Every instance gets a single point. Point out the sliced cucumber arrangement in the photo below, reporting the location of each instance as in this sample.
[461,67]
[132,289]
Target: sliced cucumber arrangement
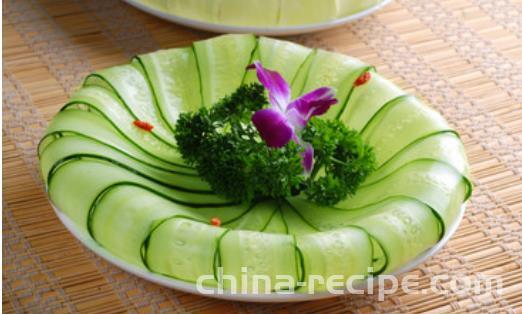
[130,190]
[261,13]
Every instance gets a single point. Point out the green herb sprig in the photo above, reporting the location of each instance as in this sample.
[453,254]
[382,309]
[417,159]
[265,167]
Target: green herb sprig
[226,150]
[343,161]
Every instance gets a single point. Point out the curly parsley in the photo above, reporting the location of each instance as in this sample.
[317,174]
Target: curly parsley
[343,161]
[225,148]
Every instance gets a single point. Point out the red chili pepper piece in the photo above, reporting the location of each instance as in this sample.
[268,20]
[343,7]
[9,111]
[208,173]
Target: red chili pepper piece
[365,77]
[215,222]
[143,125]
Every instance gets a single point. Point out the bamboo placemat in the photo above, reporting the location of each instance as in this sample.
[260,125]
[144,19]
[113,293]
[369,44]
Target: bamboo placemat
[462,56]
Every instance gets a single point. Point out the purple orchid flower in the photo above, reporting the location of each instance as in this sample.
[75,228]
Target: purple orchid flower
[286,118]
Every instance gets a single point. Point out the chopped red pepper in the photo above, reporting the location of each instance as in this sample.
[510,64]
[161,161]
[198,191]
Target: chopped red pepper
[215,222]
[143,125]
[365,77]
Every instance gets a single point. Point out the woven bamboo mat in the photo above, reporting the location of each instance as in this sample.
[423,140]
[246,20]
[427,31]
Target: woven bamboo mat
[462,56]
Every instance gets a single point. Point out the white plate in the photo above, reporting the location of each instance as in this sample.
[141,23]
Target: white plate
[191,288]
[276,30]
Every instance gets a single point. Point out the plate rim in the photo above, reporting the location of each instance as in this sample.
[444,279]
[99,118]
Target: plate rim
[188,287]
[271,31]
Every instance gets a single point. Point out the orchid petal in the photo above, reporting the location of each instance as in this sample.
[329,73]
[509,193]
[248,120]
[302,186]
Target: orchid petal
[273,127]
[278,89]
[308,158]
[314,103]
[296,119]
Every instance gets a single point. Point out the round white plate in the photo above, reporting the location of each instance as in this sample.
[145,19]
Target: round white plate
[247,297]
[275,31]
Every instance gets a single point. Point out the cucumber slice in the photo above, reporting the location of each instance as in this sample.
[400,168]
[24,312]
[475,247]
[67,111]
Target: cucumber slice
[333,70]
[295,223]
[344,252]
[235,12]
[444,146]
[182,248]
[131,87]
[174,79]
[399,124]
[271,13]
[299,81]
[67,147]
[432,182]
[99,99]
[156,4]
[121,222]
[257,218]
[367,99]
[222,63]
[296,12]
[284,56]
[95,127]
[349,7]
[276,224]
[402,227]
[74,185]
[124,215]
[203,10]
[245,254]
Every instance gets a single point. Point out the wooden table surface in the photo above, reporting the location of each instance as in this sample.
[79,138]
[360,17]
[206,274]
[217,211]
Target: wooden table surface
[462,56]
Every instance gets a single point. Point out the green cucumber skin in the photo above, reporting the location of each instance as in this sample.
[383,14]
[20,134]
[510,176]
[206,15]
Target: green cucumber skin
[73,185]
[130,190]
[88,122]
[224,77]
[186,237]
[333,70]
[84,147]
[174,81]
[98,100]
[256,251]
[132,90]
[50,138]
[266,13]
[346,251]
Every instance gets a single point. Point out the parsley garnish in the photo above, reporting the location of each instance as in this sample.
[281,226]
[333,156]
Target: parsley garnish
[227,151]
